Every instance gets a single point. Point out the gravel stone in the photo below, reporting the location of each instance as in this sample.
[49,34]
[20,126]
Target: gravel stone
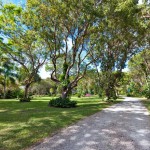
[124,126]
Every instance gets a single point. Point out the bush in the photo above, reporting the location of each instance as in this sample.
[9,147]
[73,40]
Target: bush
[62,103]
[129,95]
[79,95]
[14,93]
[10,94]
[28,99]
[147,94]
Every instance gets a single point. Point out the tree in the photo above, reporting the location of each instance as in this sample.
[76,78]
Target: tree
[23,46]
[8,74]
[120,36]
[67,35]
[41,88]
[139,67]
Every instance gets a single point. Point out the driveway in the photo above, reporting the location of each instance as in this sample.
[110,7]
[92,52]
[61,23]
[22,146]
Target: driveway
[124,126]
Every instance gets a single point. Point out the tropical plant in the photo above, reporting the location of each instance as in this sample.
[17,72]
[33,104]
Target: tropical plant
[8,75]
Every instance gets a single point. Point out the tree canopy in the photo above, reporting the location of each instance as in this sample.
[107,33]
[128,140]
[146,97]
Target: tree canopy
[72,38]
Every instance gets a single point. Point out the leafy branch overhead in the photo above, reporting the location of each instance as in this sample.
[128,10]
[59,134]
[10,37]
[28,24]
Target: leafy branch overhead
[73,37]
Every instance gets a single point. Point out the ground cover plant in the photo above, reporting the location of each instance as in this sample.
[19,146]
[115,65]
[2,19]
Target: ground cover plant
[24,124]
[146,102]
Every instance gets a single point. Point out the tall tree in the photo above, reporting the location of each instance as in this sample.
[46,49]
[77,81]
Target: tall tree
[139,67]
[24,45]
[67,35]
[120,36]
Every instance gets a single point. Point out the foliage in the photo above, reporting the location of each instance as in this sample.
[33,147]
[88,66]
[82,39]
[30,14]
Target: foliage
[23,46]
[27,99]
[8,75]
[62,103]
[74,25]
[88,84]
[86,35]
[139,67]
[146,103]
[14,93]
[79,94]
[146,92]
[41,88]
[120,36]
[51,90]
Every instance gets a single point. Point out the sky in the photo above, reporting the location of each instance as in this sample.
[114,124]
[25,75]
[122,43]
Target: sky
[22,1]
[14,1]
[43,73]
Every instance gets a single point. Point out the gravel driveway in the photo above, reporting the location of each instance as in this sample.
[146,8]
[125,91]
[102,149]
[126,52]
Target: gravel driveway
[124,126]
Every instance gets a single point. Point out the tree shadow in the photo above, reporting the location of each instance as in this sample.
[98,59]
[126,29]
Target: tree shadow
[125,127]
[23,124]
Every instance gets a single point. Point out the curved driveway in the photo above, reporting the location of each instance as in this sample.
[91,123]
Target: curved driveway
[124,126]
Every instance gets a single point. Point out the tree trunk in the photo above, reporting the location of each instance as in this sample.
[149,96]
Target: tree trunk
[108,94]
[65,92]
[4,91]
[111,93]
[26,92]
[4,87]
[64,95]
[117,93]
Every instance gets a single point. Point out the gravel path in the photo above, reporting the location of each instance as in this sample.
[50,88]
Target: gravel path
[124,126]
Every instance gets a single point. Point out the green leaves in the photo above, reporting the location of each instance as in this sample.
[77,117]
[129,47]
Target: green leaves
[78,33]
[139,67]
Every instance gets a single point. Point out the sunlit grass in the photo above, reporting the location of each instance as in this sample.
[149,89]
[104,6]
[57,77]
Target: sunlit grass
[23,124]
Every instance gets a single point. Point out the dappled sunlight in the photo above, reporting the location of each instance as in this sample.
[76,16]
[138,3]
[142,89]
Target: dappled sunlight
[27,123]
[130,103]
[3,110]
[122,126]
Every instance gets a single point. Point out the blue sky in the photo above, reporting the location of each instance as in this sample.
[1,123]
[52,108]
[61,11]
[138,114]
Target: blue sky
[14,1]
[23,1]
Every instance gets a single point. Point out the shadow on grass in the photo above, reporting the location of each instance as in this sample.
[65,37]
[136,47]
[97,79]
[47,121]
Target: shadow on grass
[23,124]
[123,127]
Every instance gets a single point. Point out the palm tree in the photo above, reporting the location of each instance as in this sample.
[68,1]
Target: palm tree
[7,74]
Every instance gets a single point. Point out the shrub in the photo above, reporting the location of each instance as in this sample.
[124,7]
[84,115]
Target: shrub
[62,103]
[52,91]
[79,95]
[147,94]
[9,94]
[129,95]
[28,99]
[114,96]
[19,93]
[14,93]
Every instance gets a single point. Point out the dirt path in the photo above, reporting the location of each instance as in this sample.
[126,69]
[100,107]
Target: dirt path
[124,126]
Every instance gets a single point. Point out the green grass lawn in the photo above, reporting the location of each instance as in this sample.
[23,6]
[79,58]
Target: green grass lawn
[24,124]
[146,102]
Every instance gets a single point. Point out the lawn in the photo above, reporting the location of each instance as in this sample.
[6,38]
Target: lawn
[146,102]
[24,124]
